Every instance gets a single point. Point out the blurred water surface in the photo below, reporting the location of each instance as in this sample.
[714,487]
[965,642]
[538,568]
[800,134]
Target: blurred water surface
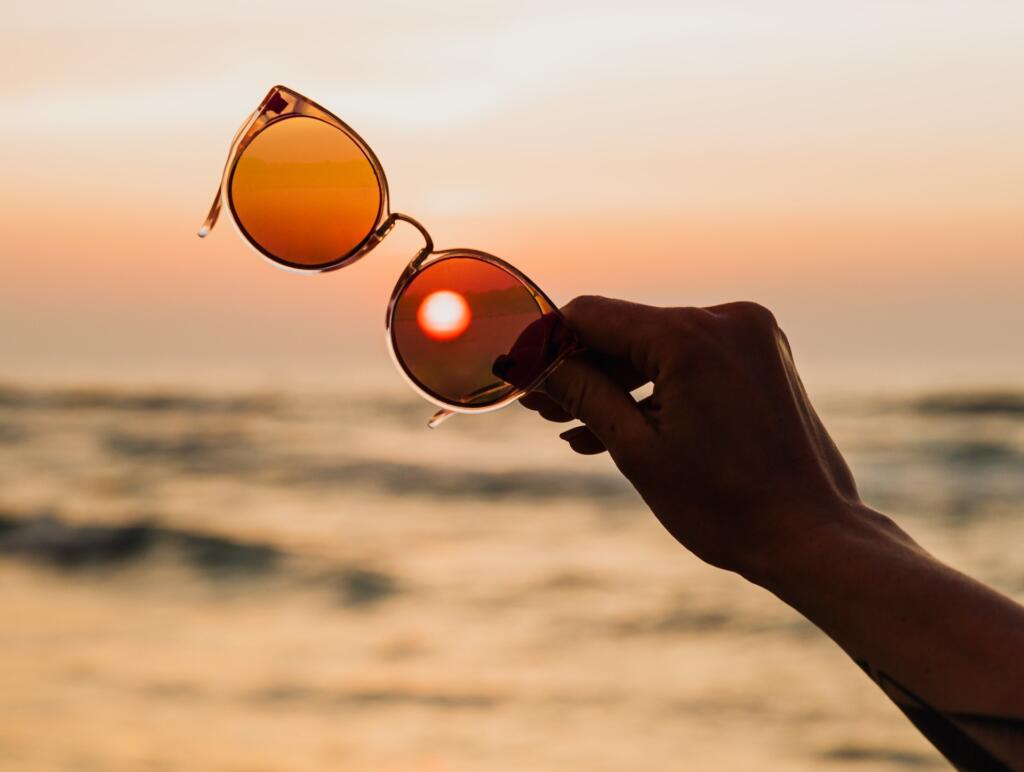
[307,579]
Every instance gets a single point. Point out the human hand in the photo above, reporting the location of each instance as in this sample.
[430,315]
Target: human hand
[731,457]
[727,451]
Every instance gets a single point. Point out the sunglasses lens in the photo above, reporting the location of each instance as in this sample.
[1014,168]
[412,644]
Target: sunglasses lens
[305,193]
[471,333]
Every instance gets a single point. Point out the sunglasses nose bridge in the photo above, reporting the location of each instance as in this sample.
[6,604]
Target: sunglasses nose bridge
[428,243]
[414,265]
[388,225]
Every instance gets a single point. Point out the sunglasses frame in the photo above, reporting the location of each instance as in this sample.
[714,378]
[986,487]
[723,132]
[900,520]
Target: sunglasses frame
[282,103]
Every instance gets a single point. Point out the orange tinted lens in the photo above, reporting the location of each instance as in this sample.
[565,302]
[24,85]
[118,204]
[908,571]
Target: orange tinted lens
[472,333]
[305,192]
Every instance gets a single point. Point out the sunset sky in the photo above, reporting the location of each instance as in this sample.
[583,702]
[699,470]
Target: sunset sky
[857,166]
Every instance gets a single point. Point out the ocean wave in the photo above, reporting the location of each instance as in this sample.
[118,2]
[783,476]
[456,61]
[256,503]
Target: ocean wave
[191,448]
[71,547]
[401,479]
[149,401]
[881,755]
[1008,404]
[11,433]
[359,587]
[230,452]
[48,540]
[975,453]
[370,698]
[683,619]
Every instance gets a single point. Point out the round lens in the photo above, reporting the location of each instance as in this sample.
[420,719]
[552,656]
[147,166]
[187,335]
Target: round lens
[471,333]
[305,192]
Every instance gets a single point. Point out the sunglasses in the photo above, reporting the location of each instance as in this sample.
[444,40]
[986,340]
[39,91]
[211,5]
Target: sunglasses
[470,332]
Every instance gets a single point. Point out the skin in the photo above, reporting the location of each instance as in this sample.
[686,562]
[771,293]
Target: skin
[731,457]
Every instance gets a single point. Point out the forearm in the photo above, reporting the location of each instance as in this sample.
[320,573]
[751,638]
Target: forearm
[948,650]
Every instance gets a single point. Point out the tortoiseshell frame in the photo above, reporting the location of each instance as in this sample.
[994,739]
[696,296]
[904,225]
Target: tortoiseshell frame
[281,103]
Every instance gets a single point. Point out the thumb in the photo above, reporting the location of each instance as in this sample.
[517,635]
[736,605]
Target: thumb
[589,394]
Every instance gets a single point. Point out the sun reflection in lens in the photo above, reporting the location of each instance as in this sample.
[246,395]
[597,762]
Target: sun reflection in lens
[443,315]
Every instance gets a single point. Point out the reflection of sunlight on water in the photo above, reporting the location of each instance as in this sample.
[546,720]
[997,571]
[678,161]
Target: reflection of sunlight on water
[265,579]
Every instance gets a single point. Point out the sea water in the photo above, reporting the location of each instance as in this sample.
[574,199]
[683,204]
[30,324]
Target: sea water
[250,577]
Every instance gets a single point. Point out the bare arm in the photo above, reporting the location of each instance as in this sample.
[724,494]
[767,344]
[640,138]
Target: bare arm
[945,648]
[731,457]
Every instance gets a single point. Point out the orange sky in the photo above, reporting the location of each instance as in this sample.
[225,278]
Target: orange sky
[858,166]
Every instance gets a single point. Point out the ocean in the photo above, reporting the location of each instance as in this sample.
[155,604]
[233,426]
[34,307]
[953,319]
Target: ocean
[243,577]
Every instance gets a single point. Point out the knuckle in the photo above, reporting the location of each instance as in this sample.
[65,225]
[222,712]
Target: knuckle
[756,327]
[684,319]
[685,332]
[581,304]
[754,315]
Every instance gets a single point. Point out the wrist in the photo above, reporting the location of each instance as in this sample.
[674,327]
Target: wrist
[802,558]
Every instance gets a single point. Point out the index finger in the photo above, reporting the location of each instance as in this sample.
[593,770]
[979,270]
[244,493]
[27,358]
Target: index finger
[621,370]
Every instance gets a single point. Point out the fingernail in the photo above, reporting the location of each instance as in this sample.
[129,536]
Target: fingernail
[502,365]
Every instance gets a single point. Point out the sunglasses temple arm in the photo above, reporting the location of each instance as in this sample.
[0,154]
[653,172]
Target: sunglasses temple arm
[211,218]
[439,418]
[442,415]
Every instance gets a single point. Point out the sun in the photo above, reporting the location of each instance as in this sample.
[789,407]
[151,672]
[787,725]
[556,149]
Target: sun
[444,315]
